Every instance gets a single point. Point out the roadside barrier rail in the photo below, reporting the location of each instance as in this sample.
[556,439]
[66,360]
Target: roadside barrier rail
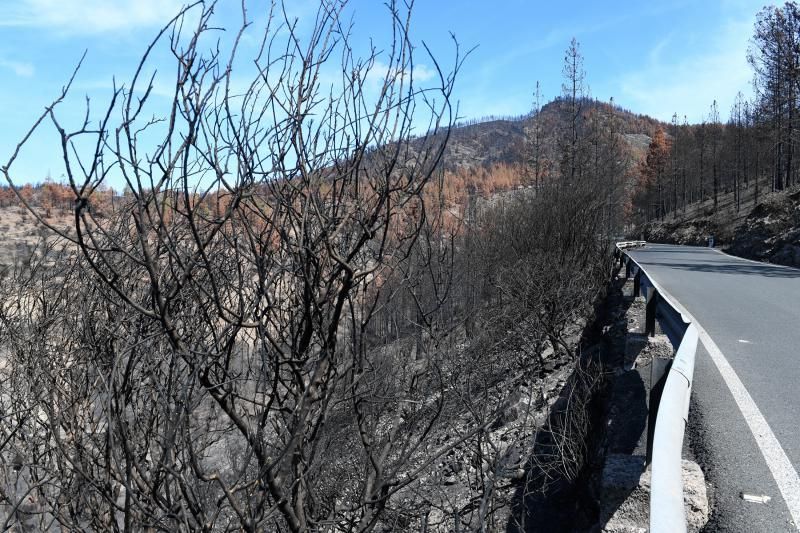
[669,396]
[630,244]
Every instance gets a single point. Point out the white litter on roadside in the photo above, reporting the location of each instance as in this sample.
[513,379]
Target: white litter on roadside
[753,498]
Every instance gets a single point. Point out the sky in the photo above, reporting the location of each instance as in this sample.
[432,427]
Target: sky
[653,57]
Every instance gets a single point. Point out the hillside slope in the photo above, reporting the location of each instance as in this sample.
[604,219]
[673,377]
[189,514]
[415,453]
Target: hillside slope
[502,140]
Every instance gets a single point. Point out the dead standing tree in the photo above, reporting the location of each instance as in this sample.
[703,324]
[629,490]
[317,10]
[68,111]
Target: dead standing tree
[223,307]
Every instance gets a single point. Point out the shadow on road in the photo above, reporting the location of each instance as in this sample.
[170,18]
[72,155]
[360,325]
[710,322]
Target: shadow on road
[733,268]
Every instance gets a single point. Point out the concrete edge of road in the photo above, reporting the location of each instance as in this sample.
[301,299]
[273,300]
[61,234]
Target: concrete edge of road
[781,468]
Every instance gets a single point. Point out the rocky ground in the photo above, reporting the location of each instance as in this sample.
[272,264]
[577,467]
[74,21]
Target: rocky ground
[21,234]
[540,466]
[771,232]
[485,480]
[611,491]
[622,480]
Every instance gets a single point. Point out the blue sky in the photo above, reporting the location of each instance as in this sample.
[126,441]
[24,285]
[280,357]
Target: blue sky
[653,57]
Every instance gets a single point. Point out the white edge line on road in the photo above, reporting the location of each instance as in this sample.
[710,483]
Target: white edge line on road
[778,462]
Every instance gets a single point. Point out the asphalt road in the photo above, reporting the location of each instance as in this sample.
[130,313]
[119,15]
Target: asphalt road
[751,312]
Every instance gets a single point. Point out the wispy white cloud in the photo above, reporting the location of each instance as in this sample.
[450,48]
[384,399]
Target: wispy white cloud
[88,16]
[689,84]
[657,52]
[423,73]
[20,68]
[380,71]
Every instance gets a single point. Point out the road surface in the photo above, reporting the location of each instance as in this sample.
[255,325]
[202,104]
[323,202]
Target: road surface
[745,414]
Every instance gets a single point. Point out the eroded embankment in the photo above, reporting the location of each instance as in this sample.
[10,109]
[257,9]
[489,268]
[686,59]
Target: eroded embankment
[559,491]
[620,481]
[587,470]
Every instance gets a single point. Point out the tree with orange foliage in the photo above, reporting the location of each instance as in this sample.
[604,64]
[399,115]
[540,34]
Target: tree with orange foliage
[27,192]
[7,197]
[652,172]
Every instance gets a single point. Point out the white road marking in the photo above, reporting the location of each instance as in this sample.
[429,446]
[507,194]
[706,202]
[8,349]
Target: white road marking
[777,461]
[743,341]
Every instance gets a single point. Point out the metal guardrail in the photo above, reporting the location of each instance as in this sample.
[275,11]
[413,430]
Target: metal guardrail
[671,413]
[630,244]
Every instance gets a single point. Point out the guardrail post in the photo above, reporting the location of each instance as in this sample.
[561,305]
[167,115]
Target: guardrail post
[627,267]
[650,312]
[659,368]
[637,283]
